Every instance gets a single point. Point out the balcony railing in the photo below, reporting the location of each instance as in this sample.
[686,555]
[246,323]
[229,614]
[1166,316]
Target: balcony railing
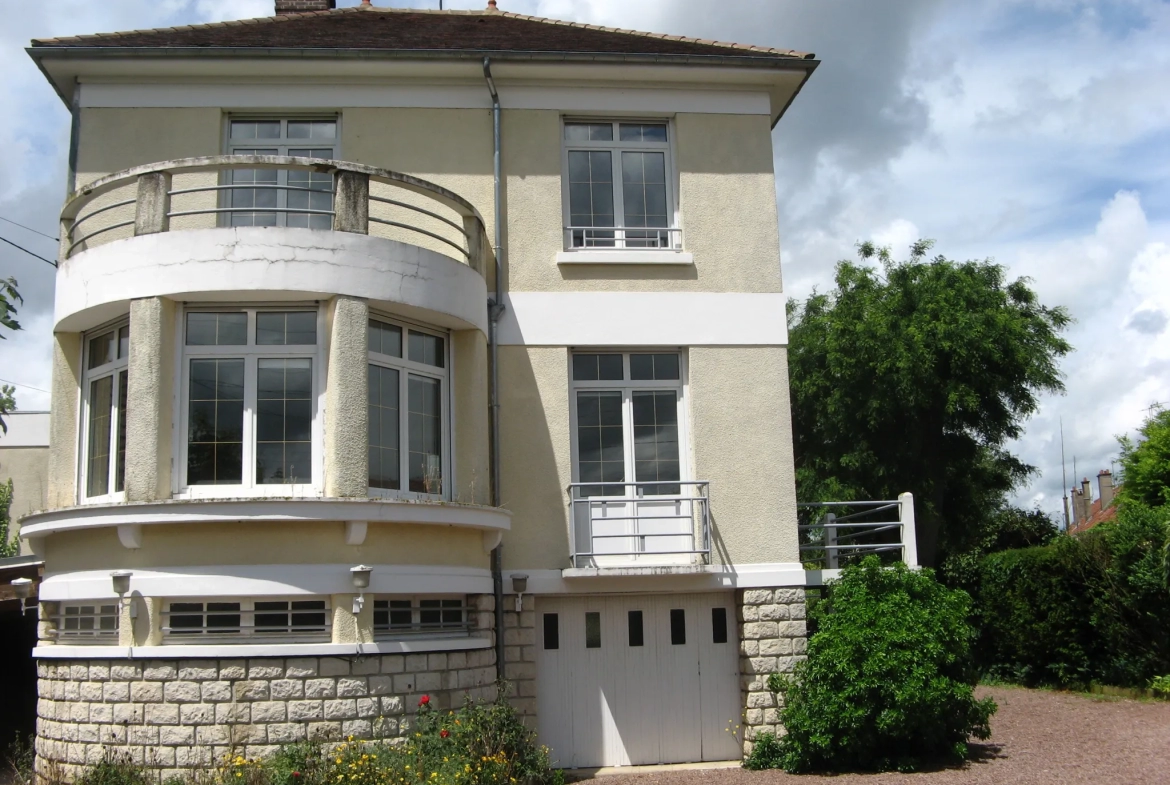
[614,524]
[836,534]
[628,238]
[201,193]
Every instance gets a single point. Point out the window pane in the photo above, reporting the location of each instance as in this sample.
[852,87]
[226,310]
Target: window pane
[120,461]
[678,627]
[319,197]
[597,367]
[662,367]
[635,625]
[223,617]
[215,425]
[591,196]
[284,415]
[101,392]
[241,199]
[644,197]
[600,456]
[719,625]
[124,342]
[101,350]
[384,412]
[255,129]
[217,329]
[312,129]
[427,349]
[589,132]
[552,631]
[592,630]
[425,434]
[270,615]
[385,338]
[295,328]
[642,132]
[186,617]
[656,454]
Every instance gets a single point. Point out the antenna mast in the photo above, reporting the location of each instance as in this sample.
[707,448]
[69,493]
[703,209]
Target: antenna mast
[1063,475]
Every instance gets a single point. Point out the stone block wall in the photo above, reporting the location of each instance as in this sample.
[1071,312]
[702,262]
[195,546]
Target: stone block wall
[772,639]
[176,714]
[520,657]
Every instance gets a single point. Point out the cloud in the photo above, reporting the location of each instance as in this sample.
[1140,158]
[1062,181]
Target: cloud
[1150,321]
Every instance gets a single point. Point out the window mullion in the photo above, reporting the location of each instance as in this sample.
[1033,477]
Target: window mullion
[628,439]
[619,204]
[403,427]
[248,453]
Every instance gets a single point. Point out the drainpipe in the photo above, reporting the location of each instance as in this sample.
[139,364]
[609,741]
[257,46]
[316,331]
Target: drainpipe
[495,308]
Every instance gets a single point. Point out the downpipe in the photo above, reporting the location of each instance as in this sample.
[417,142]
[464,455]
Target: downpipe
[495,308]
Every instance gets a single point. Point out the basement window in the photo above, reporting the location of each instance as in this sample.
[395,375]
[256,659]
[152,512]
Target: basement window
[411,616]
[298,620]
[94,622]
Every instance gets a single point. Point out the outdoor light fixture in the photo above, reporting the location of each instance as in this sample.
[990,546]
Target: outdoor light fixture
[361,582]
[121,581]
[23,588]
[519,585]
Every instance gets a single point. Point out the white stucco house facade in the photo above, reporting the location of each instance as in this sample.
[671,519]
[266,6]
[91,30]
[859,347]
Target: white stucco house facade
[396,351]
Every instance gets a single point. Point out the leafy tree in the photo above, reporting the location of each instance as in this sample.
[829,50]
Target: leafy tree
[889,679]
[8,546]
[1005,529]
[915,377]
[9,297]
[1146,463]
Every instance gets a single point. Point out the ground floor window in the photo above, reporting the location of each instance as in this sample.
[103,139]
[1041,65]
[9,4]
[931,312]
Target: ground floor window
[394,616]
[306,619]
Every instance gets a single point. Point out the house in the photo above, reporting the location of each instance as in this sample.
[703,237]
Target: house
[1087,512]
[399,350]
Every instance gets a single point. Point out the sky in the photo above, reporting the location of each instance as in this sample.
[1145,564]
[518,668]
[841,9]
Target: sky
[1035,133]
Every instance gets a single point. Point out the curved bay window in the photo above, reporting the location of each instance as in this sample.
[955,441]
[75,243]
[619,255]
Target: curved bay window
[408,430]
[250,398]
[106,377]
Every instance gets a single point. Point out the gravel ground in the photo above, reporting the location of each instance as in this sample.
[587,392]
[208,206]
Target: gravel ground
[1037,738]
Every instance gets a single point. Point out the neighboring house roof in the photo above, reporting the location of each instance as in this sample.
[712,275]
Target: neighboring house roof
[405,30]
[1096,516]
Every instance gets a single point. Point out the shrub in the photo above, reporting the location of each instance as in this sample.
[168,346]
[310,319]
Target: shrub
[115,769]
[1160,686]
[888,683]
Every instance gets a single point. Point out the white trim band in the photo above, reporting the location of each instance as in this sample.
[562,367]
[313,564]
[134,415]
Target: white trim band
[194,651]
[644,319]
[194,511]
[625,257]
[267,580]
[686,578]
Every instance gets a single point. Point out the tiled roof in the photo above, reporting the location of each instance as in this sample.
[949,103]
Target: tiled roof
[431,32]
[1096,516]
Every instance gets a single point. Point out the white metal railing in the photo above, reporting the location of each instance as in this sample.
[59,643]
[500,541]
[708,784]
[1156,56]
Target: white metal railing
[835,534]
[639,523]
[404,204]
[626,237]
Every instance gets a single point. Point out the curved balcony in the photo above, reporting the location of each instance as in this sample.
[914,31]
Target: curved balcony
[271,224]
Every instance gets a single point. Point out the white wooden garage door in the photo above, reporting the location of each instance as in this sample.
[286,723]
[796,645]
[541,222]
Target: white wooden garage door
[630,680]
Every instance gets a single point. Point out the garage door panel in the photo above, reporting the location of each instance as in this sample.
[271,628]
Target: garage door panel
[603,700]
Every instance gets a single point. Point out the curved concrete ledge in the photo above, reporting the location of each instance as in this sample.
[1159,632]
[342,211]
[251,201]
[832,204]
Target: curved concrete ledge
[72,652]
[267,580]
[195,511]
[268,263]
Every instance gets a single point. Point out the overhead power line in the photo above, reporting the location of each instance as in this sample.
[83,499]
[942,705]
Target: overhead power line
[27,251]
[28,386]
[29,228]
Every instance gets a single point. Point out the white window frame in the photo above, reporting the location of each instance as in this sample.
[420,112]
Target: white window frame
[90,375]
[628,387]
[250,353]
[406,367]
[282,146]
[89,637]
[247,612]
[416,630]
[616,147]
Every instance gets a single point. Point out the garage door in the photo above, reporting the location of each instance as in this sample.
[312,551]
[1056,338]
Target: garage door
[630,680]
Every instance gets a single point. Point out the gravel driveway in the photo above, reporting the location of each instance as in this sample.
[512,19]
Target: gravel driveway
[1038,738]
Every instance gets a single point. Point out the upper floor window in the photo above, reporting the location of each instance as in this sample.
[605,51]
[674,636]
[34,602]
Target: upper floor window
[250,398]
[279,197]
[627,423]
[618,185]
[103,469]
[408,412]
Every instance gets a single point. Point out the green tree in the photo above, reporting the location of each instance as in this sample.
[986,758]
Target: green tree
[9,297]
[9,546]
[913,378]
[1145,463]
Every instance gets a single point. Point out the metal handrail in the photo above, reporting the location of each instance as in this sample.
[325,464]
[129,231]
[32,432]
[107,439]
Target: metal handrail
[835,538]
[617,237]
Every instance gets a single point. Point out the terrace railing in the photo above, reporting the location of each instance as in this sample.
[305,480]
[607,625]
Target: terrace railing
[272,190]
[835,534]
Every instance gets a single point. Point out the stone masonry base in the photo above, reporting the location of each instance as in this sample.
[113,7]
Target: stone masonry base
[772,639]
[177,714]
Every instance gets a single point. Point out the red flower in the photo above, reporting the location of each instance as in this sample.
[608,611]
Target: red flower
[424,700]
[444,733]
[296,774]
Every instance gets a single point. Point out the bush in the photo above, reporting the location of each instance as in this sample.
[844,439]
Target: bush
[1091,608]
[888,683]
[115,769]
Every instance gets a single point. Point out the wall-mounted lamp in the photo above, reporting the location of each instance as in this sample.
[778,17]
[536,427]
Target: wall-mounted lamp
[121,582]
[23,588]
[361,581]
[519,585]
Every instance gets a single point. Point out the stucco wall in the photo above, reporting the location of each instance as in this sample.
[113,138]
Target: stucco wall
[149,399]
[470,418]
[266,543]
[28,468]
[66,386]
[740,440]
[346,412]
